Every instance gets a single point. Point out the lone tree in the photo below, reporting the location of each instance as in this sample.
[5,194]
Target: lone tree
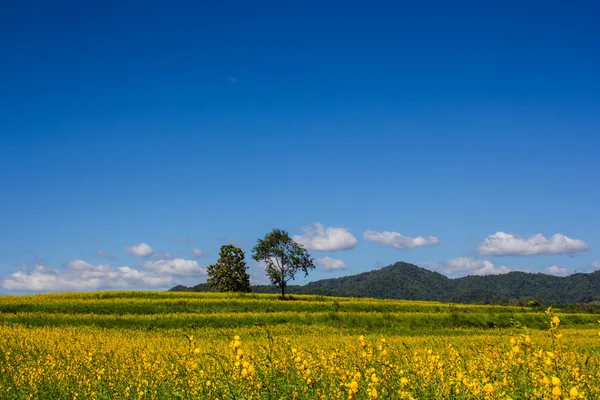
[283,258]
[229,273]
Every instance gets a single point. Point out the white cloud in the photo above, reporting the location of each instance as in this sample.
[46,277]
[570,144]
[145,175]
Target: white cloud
[140,250]
[175,267]
[319,238]
[471,266]
[556,270]
[261,265]
[199,253]
[331,263]
[399,241]
[82,276]
[596,265]
[78,265]
[258,275]
[505,244]
[259,279]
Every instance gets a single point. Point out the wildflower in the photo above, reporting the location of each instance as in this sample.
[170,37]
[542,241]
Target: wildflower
[573,392]
[373,395]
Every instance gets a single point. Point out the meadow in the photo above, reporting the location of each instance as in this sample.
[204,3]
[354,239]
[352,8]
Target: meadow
[167,345]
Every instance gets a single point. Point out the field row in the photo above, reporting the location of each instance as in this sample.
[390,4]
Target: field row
[407,323]
[218,303]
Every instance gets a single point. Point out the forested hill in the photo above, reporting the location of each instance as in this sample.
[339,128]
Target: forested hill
[410,282]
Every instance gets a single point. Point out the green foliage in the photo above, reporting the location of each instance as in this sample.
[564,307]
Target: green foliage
[229,274]
[283,258]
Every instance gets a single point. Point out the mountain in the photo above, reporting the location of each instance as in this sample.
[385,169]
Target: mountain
[406,281]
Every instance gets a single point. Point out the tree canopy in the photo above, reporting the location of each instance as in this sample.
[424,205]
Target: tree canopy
[283,258]
[229,274]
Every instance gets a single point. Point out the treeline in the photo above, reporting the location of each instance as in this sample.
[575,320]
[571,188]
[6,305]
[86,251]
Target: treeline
[406,281]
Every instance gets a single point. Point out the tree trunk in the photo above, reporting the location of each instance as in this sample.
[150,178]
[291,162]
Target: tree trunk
[282,289]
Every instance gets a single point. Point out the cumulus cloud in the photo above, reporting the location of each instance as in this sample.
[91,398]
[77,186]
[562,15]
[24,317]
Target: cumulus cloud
[78,265]
[398,241]
[198,252]
[79,275]
[320,238]
[506,244]
[471,266]
[259,279]
[596,265]
[175,267]
[556,270]
[139,250]
[331,263]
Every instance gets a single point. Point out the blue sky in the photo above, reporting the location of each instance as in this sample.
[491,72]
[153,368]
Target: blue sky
[461,129]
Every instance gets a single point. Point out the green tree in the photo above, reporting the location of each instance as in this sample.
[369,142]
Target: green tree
[229,273]
[283,258]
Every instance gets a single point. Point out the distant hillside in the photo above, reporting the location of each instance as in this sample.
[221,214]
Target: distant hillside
[410,282]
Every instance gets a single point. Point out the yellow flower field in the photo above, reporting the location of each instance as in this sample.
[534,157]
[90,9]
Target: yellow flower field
[295,361]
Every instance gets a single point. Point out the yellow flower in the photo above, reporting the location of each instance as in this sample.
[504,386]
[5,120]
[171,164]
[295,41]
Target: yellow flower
[556,392]
[374,395]
[546,381]
[555,320]
[489,388]
[354,386]
[573,392]
[555,381]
